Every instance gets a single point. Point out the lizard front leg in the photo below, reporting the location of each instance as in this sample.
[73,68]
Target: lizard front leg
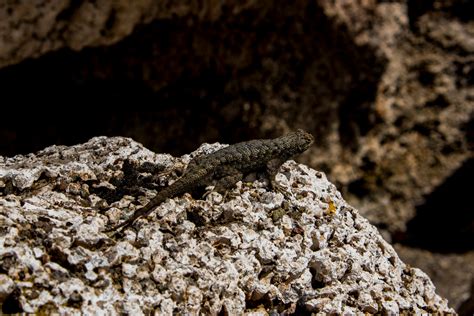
[273,166]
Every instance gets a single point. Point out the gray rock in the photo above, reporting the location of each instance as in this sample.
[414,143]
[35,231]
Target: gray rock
[251,251]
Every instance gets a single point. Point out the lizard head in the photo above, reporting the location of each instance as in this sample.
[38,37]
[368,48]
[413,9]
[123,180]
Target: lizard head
[303,140]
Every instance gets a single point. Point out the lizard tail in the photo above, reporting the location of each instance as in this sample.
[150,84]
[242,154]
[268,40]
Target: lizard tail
[177,188]
[147,209]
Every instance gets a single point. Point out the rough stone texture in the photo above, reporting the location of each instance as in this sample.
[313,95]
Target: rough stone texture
[252,251]
[386,87]
[444,269]
[31,29]
[413,134]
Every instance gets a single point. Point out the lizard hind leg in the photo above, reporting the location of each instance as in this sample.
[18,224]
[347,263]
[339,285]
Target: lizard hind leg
[179,169]
[226,178]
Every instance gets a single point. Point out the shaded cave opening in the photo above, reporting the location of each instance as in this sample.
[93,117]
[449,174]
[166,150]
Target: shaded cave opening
[444,223]
[156,88]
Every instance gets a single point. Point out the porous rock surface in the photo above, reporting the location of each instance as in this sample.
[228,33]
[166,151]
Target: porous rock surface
[252,251]
[450,265]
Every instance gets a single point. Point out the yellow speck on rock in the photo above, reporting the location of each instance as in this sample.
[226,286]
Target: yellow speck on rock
[332,208]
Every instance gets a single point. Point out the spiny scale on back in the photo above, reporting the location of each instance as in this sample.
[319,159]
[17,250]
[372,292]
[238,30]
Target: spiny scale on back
[228,165]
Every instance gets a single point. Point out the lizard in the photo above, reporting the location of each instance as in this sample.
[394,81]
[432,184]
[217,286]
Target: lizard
[227,166]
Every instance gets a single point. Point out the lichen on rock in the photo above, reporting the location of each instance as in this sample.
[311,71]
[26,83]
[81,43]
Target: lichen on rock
[249,251]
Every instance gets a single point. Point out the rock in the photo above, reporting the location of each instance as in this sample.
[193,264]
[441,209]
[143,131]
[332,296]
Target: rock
[32,29]
[456,276]
[251,251]
[400,143]
[385,86]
